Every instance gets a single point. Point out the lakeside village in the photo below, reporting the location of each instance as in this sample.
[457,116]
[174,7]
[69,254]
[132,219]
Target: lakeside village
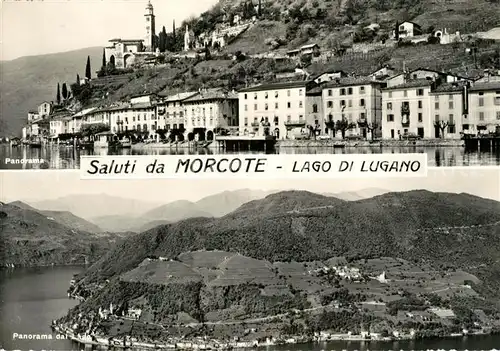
[88,329]
[332,108]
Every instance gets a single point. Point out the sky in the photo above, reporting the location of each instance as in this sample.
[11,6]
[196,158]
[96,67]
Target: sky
[33,27]
[31,186]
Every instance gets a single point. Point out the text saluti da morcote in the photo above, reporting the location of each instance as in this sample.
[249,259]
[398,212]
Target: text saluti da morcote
[247,165]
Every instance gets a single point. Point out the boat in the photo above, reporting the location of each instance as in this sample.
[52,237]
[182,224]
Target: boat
[15,142]
[35,144]
[85,145]
[104,139]
[125,143]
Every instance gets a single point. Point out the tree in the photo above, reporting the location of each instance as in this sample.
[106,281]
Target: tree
[58,96]
[442,127]
[65,93]
[103,58]
[162,40]
[77,79]
[372,127]
[88,72]
[396,31]
[93,129]
[343,125]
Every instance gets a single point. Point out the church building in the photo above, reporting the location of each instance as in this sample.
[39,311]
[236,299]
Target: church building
[123,52]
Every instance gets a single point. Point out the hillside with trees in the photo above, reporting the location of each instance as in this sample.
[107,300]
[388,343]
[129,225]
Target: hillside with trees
[312,227]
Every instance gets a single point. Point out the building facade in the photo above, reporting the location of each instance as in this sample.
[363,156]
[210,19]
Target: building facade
[281,107]
[357,102]
[484,106]
[449,111]
[406,110]
[208,112]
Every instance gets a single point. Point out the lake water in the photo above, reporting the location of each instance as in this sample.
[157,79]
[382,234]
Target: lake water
[31,298]
[68,158]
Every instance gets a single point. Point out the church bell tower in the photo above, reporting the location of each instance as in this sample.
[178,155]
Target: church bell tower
[149,38]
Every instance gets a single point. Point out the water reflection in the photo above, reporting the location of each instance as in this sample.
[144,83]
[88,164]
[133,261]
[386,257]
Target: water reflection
[69,158]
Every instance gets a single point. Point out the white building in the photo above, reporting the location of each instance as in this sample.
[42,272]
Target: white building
[209,112]
[281,107]
[449,111]
[407,30]
[406,110]
[484,106]
[171,113]
[356,100]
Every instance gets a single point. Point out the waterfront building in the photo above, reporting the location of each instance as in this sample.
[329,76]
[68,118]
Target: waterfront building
[32,116]
[449,111]
[60,124]
[406,109]
[278,107]
[355,100]
[209,112]
[45,109]
[484,105]
[315,120]
[171,114]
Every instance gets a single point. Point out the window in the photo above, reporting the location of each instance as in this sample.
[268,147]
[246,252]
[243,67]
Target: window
[436,105]
[496,100]
[266,95]
[481,101]
[275,105]
[330,104]
[420,92]
[451,119]
[420,103]
[246,107]
[246,96]
[389,105]
[342,91]
[288,92]
[436,118]
[349,103]
[300,104]
[289,104]
[405,93]
[450,105]
[362,102]
[255,107]
[481,116]
[420,117]
[300,92]
[349,91]
[266,107]
[276,94]
[362,116]
[315,108]
[289,118]
[255,96]
[361,90]
[498,114]
[329,92]
[390,118]
[342,102]
[301,117]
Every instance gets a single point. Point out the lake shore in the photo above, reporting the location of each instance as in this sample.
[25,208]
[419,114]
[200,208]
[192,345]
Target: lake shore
[311,144]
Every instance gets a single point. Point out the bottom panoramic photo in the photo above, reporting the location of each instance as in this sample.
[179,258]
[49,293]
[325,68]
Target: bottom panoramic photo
[372,264]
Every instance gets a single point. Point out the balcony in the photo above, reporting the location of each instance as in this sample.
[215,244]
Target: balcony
[296,123]
[255,124]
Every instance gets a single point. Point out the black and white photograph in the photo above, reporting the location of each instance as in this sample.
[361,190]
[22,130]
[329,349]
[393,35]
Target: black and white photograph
[399,264]
[151,77]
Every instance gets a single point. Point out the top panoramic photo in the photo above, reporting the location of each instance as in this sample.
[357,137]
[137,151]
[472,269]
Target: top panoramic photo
[249,76]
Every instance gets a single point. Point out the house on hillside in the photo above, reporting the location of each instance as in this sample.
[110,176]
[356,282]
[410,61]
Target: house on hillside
[407,30]
[329,76]
[308,50]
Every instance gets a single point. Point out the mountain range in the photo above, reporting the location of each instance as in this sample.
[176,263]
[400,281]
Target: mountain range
[116,214]
[442,228]
[29,237]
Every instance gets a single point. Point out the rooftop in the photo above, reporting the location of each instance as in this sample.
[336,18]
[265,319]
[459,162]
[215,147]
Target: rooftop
[276,86]
[350,81]
[483,86]
[448,88]
[414,83]
[212,94]
[118,40]
[179,96]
